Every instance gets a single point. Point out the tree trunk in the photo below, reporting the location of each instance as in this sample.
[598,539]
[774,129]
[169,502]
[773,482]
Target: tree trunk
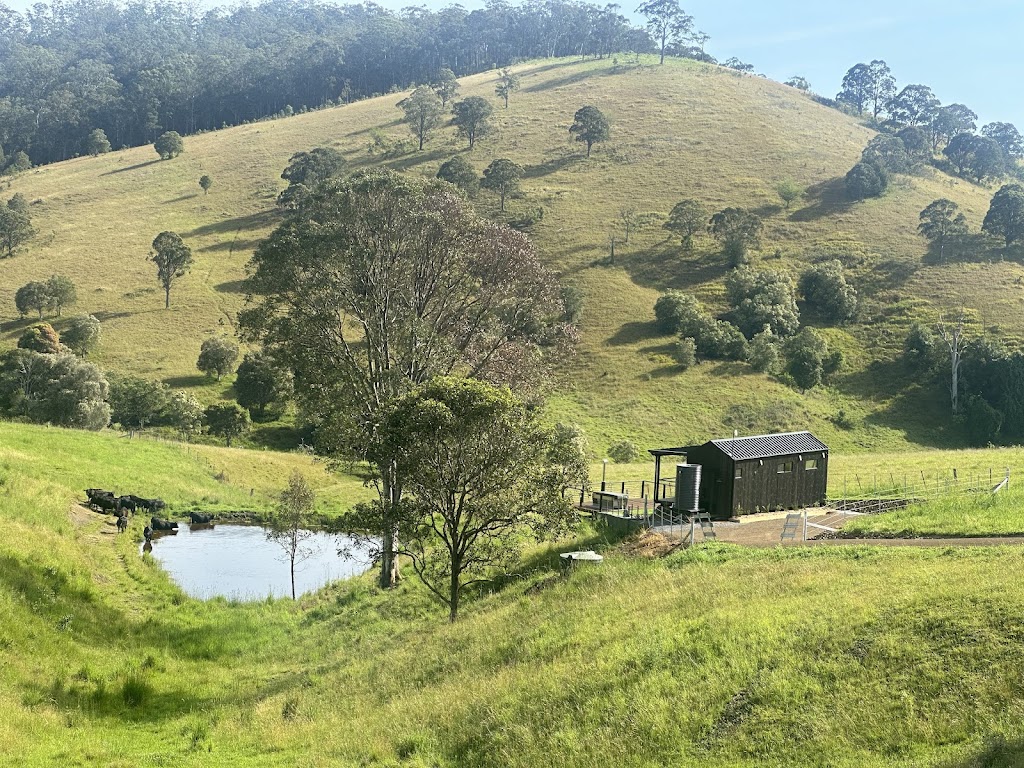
[293,574]
[589,145]
[453,600]
[502,201]
[167,297]
[389,573]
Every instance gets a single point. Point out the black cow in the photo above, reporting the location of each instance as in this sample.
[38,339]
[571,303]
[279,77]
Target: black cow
[122,523]
[98,493]
[128,503]
[150,505]
[163,525]
[198,518]
[109,504]
[147,532]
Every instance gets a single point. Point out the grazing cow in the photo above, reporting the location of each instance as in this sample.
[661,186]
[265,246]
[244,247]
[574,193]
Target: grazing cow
[122,523]
[198,518]
[128,503]
[98,493]
[164,525]
[147,532]
[150,505]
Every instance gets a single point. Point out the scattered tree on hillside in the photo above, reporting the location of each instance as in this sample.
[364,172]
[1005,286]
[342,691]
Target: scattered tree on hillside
[632,221]
[502,177]
[975,157]
[866,179]
[826,291]
[478,476]
[738,230]
[508,83]
[229,421]
[60,293]
[260,383]
[135,402]
[590,126]
[763,299]
[386,234]
[763,352]
[169,145]
[809,362]
[919,348]
[887,152]
[306,171]
[172,258]
[789,192]
[472,117]
[623,452]
[687,218]
[205,182]
[290,525]
[953,332]
[96,143]
[445,85]
[184,413]
[217,357]
[941,222]
[15,225]
[800,83]
[40,338]
[915,142]
[950,121]
[673,309]
[667,22]
[82,335]
[31,297]
[423,112]
[1005,217]
[914,105]
[1007,137]
[868,86]
[460,172]
[55,389]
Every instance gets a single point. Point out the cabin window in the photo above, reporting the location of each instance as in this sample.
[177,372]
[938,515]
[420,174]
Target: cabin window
[739,472]
[784,468]
[810,464]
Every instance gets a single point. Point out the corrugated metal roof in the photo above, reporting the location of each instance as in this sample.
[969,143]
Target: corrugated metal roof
[765,446]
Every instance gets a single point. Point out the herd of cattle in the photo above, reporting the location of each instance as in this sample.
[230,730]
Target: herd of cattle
[119,506]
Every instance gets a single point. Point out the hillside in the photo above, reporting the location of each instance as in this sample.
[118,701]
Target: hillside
[715,656]
[682,130]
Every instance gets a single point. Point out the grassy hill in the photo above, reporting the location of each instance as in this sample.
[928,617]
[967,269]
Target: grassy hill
[681,130]
[715,656]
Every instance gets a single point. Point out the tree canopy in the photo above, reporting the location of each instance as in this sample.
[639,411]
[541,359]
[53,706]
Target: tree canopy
[479,475]
[1005,217]
[472,117]
[346,295]
[589,125]
[423,112]
[667,22]
[172,258]
[941,221]
[502,177]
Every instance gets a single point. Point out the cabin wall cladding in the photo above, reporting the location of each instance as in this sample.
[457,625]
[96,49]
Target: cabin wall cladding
[745,475]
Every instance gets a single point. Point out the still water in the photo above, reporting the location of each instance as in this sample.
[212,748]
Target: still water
[239,563]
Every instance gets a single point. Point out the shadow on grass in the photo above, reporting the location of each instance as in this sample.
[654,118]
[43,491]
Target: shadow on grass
[826,199]
[976,247]
[231,286]
[105,316]
[566,80]
[132,167]
[181,199]
[186,382]
[237,224]
[667,266]
[230,246]
[997,752]
[553,165]
[419,158]
[887,275]
[631,333]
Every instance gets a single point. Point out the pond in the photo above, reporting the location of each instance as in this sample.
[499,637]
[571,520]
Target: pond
[239,563]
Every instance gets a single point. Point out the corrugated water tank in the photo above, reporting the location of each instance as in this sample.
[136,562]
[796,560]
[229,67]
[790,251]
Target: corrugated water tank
[687,487]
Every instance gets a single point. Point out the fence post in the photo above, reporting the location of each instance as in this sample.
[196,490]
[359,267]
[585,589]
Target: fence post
[805,525]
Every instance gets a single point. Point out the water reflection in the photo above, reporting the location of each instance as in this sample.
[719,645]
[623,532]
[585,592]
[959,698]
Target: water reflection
[237,562]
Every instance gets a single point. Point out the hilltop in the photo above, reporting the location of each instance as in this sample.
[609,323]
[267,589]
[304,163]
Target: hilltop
[682,130]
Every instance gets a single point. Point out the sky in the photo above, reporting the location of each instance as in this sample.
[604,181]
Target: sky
[967,52]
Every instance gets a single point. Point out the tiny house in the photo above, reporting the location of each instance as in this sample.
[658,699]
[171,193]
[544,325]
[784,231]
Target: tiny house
[760,473]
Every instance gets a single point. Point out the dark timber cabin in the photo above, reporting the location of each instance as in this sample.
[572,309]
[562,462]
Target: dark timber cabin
[762,473]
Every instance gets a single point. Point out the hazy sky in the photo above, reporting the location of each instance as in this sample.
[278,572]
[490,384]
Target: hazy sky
[968,52]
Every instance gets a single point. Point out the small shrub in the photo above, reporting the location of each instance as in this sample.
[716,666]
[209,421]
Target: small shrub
[623,452]
[684,352]
[136,690]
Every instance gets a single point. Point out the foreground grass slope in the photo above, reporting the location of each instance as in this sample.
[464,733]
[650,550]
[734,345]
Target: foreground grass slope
[712,657]
[681,130]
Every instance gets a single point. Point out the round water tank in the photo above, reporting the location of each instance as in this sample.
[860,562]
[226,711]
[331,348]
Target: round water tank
[687,487]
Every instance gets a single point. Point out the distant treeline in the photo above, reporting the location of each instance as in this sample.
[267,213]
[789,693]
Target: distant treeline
[137,70]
